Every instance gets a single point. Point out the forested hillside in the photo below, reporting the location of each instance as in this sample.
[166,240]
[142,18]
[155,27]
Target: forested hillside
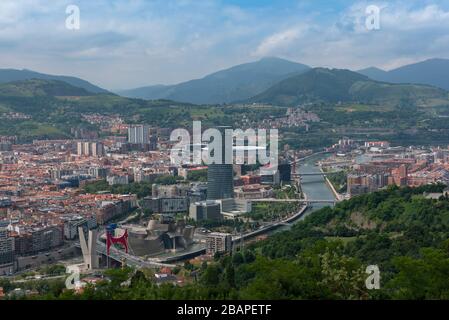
[323,257]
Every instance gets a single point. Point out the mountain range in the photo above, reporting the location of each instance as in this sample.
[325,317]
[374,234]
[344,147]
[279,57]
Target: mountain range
[434,72]
[243,82]
[237,83]
[269,80]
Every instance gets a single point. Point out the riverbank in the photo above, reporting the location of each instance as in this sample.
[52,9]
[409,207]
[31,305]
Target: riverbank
[314,187]
[236,239]
[272,226]
[313,190]
[338,196]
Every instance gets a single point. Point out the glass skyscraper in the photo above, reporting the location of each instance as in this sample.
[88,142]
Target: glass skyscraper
[220,181]
[220,177]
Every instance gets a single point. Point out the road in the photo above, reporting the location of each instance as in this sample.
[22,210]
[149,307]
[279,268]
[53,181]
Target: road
[40,278]
[295,200]
[270,227]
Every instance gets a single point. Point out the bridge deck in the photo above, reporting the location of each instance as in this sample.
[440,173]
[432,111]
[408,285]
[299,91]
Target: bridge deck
[294,200]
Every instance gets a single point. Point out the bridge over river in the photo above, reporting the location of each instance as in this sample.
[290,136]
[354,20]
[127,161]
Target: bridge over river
[120,255]
[307,201]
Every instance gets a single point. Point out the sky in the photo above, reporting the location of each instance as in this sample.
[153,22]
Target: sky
[122,44]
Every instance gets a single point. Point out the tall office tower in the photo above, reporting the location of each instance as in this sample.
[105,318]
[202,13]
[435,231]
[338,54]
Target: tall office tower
[138,134]
[285,169]
[220,177]
[6,249]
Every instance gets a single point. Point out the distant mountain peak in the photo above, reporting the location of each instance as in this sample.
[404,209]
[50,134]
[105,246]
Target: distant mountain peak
[274,58]
[236,83]
[432,72]
[436,60]
[372,69]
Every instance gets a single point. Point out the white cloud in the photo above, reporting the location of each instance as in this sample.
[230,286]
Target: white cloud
[278,42]
[125,43]
[408,34]
[404,18]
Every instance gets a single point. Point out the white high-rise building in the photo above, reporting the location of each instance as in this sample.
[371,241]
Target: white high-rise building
[79,148]
[86,148]
[93,149]
[138,134]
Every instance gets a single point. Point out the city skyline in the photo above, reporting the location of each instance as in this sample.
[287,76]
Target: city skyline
[309,161]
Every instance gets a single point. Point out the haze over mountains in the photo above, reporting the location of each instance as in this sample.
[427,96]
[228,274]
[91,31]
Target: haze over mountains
[433,72]
[237,83]
[269,80]
[243,82]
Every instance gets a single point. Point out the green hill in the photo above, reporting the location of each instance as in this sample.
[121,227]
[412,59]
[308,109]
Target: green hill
[40,88]
[53,107]
[12,75]
[336,85]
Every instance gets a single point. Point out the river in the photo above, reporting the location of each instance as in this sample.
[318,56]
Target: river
[315,187]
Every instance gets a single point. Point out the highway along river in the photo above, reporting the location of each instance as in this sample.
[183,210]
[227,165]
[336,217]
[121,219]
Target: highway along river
[315,187]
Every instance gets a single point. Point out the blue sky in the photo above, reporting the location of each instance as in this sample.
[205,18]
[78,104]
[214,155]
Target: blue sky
[130,43]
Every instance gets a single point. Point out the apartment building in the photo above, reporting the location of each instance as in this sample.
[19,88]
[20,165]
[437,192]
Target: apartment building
[217,242]
[6,249]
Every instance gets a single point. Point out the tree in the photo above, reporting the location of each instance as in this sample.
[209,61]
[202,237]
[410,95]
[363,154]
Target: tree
[211,277]
[188,266]
[230,275]
[237,258]
[422,278]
